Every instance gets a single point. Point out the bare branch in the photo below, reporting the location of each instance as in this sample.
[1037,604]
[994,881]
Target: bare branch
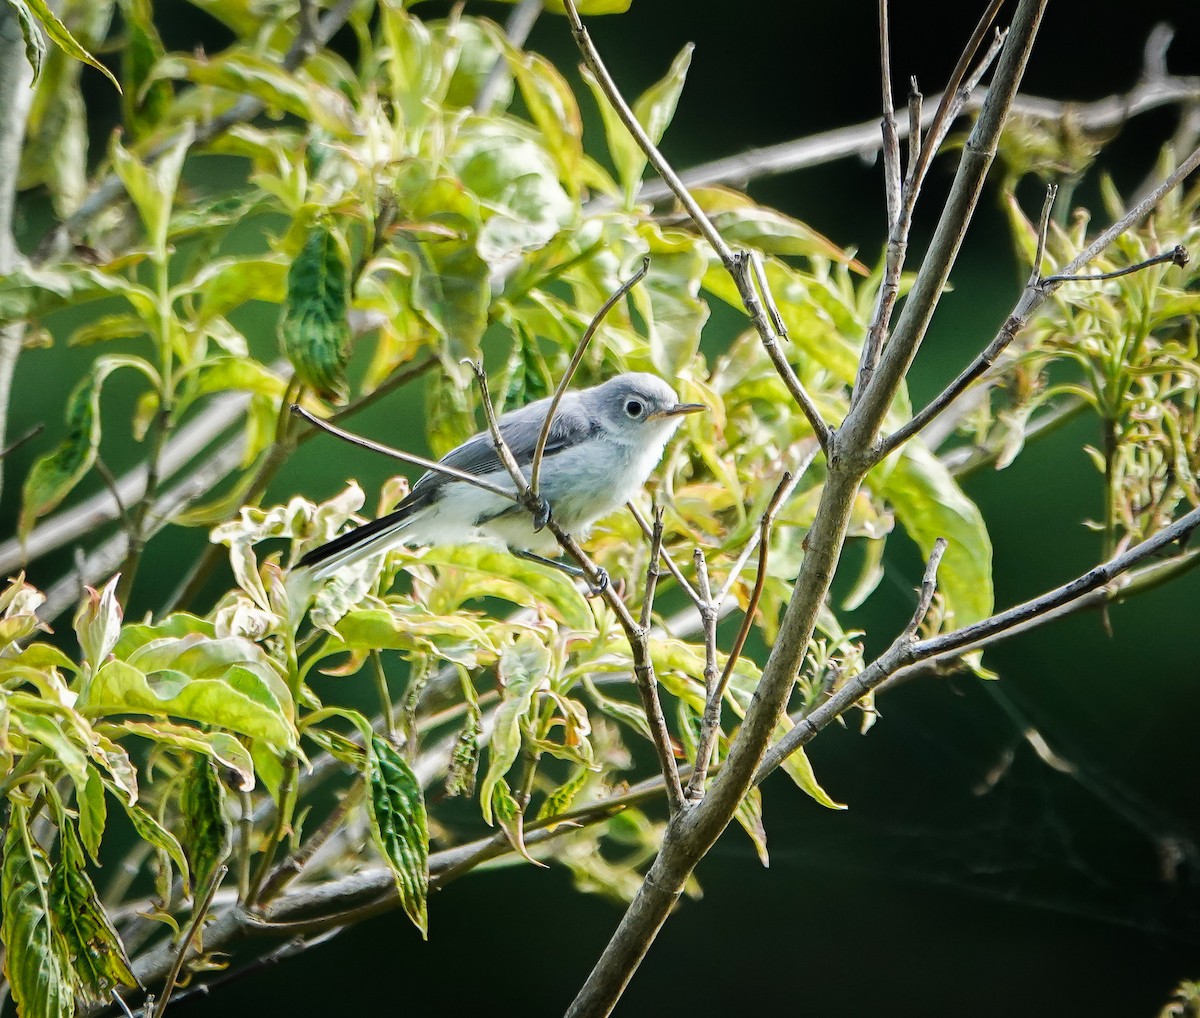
[672,566]
[862,140]
[16,443]
[68,526]
[928,589]
[891,139]
[977,157]
[16,95]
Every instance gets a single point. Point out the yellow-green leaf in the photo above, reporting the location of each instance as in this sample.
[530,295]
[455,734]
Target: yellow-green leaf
[930,504]
[60,35]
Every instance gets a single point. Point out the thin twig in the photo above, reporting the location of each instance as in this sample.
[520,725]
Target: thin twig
[652,570]
[524,492]
[1178,255]
[711,721]
[675,571]
[16,443]
[807,455]
[405,457]
[1043,232]
[915,100]
[539,450]
[201,910]
[900,222]
[294,864]
[771,329]
[928,589]
[736,263]
[1033,297]
[891,139]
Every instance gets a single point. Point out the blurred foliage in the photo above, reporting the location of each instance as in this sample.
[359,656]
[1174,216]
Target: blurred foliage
[398,223]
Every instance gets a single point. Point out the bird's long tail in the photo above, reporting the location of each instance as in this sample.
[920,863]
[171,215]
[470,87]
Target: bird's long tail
[360,543]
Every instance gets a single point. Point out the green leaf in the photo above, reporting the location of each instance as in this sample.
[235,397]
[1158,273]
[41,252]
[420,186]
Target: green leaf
[451,282]
[153,833]
[36,974]
[560,800]
[586,7]
[35,45]
[207,831]
[654,109]
[479,570]
[400,827]
[93,813]
[314,328]
[524,671]
[245,697]
[506,167]
[59,35]
[87,938]
[53,475]
[49,732]
[464,760]
[222,747]
[145,102]
[554,110]
[227,283]
[152,187]
[668,299]
[411,627]
[930,504]
[750,815]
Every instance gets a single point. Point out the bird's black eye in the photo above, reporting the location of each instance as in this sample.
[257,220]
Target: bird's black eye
[634,408]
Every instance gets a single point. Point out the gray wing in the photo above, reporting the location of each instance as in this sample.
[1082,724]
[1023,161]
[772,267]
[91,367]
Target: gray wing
[520,428]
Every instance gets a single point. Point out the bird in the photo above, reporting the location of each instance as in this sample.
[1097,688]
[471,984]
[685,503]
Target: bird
[603,443]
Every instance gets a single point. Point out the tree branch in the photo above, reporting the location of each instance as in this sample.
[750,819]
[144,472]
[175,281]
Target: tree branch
[711,722]
[16,95]
[977,157]
[905,653]
[862,140]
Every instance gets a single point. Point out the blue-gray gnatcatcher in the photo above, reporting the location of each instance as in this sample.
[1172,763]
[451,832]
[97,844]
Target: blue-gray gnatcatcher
[603,443]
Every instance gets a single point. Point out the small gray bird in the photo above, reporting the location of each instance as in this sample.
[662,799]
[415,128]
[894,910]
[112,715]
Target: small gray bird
[603,443]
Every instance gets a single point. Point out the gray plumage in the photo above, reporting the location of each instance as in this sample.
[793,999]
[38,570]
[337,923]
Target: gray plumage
[603,444]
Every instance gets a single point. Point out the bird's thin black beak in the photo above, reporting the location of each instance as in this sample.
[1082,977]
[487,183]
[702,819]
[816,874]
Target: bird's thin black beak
[681,408]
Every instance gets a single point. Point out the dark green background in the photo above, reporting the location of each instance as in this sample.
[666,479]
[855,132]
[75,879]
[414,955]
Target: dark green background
[1046,895]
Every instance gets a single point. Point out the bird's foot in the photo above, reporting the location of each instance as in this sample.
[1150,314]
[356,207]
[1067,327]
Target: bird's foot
[595,589]
[541,515]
